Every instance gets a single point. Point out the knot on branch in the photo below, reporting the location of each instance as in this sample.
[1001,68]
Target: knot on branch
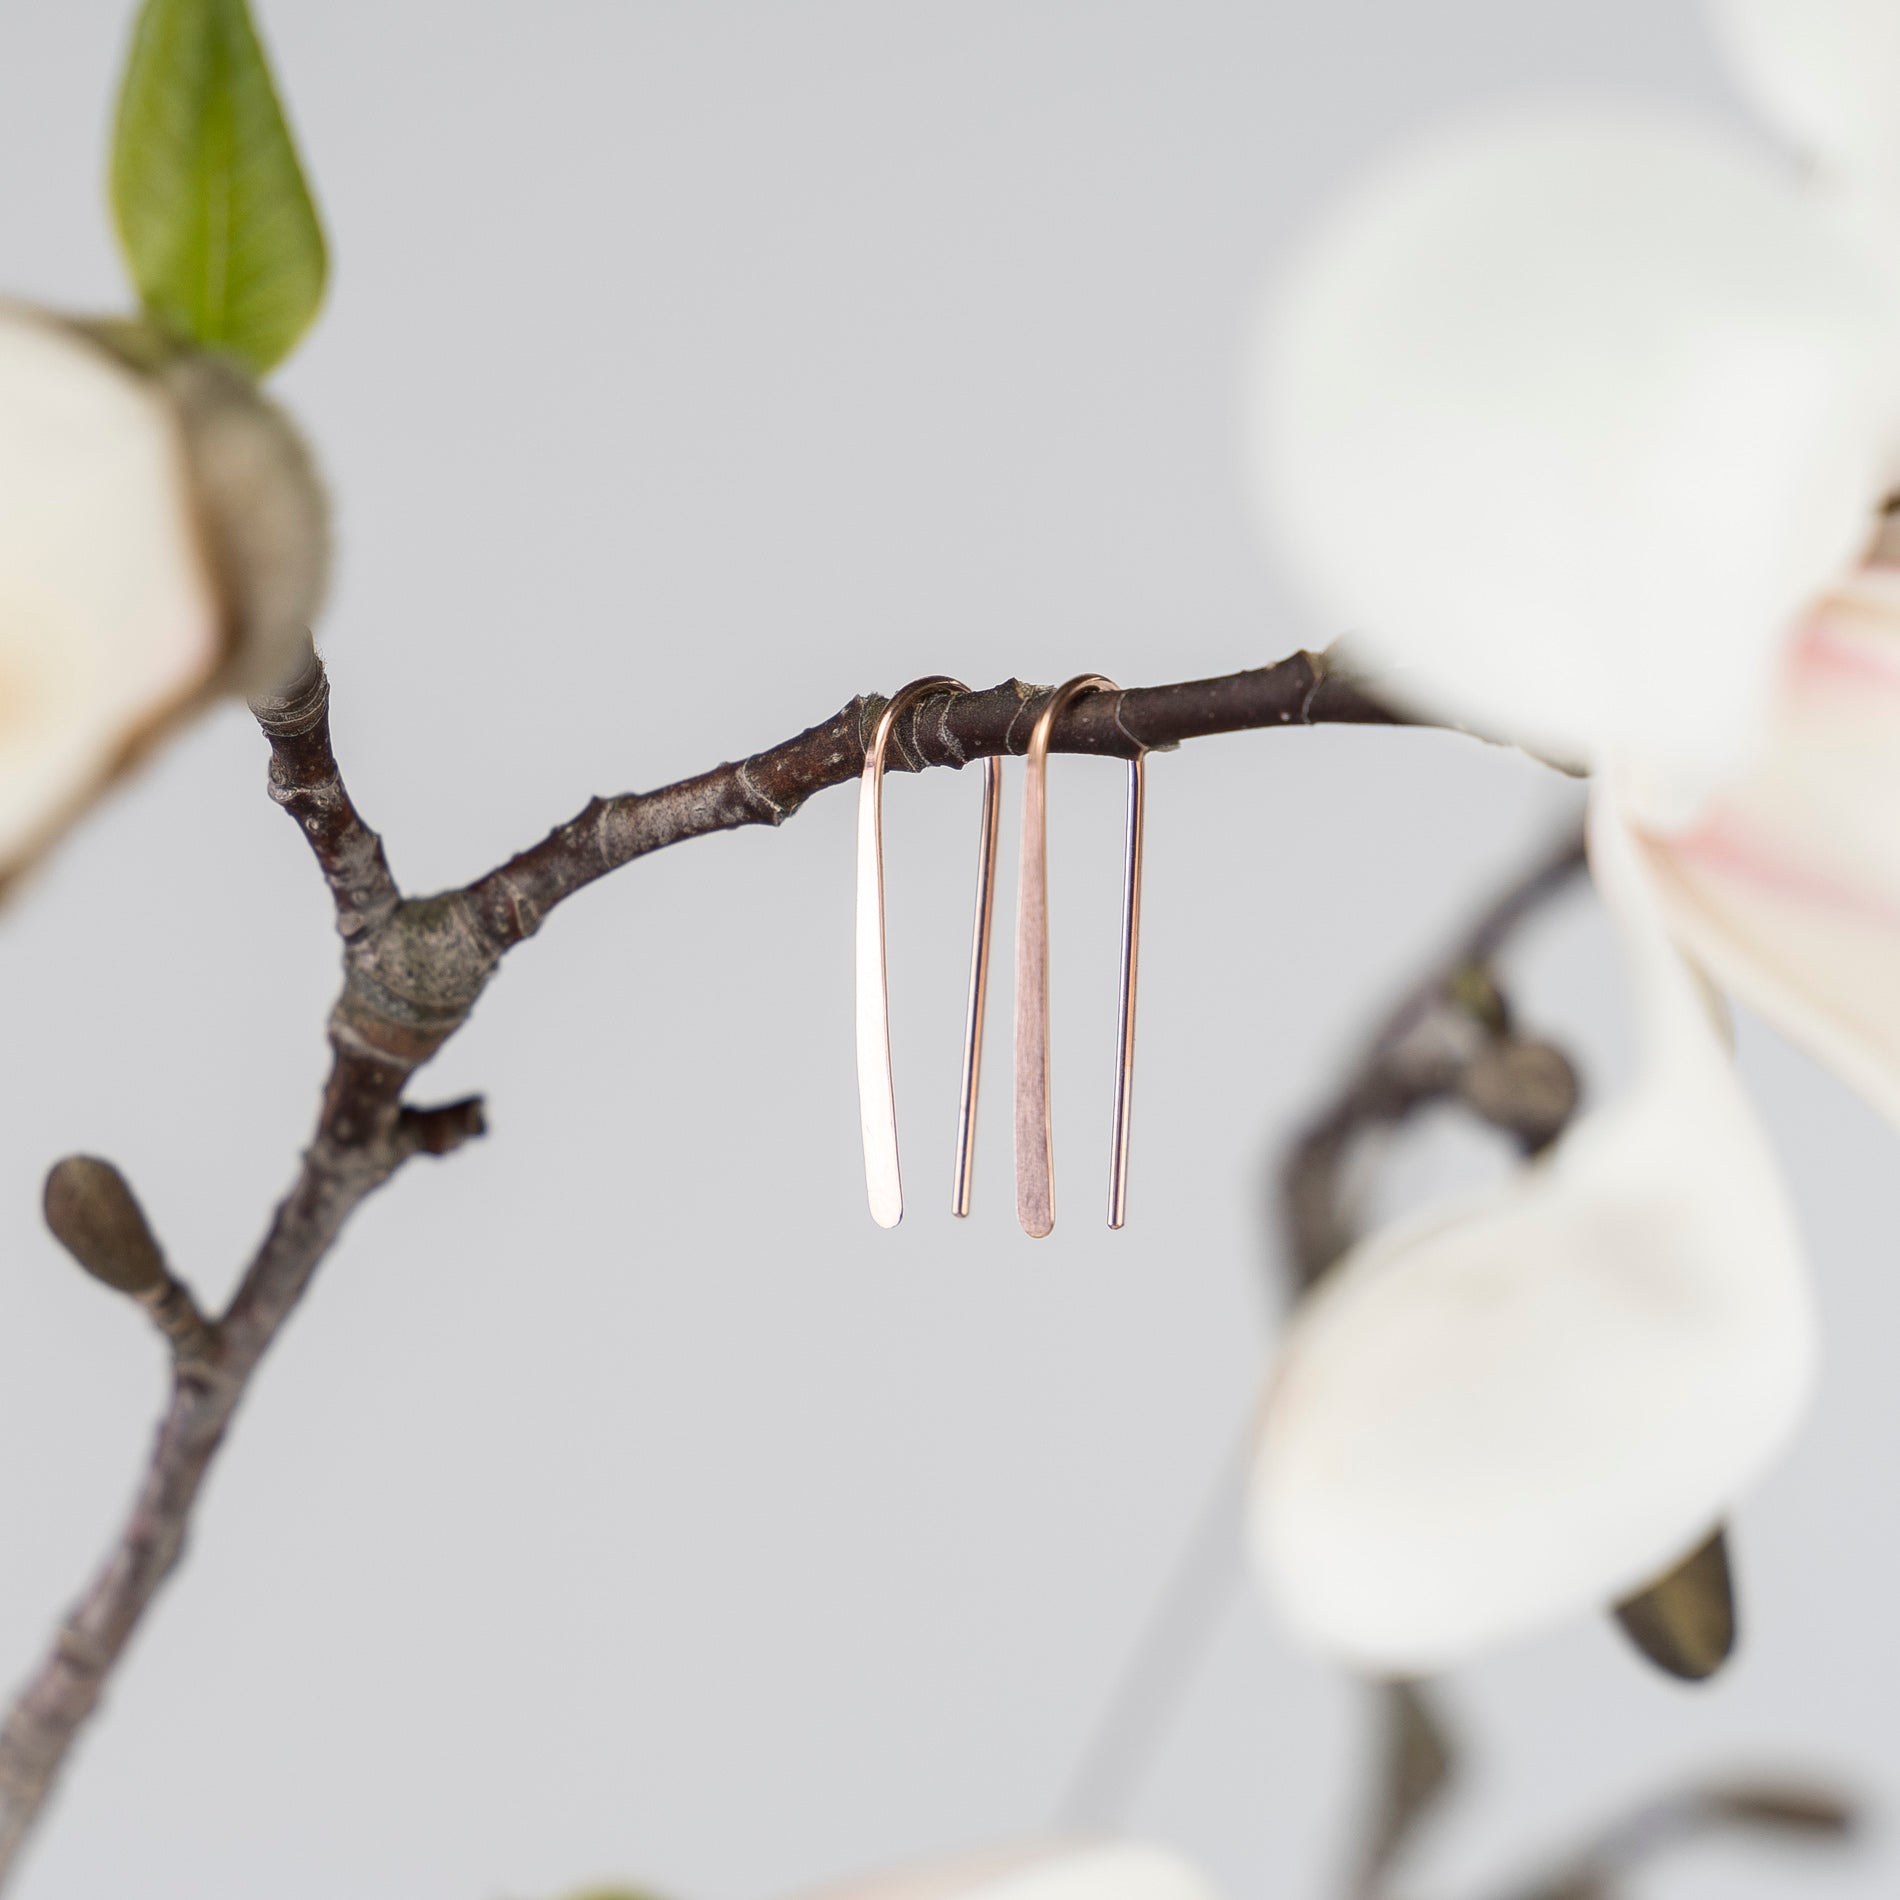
[410,981]
[298,707]
[305,781]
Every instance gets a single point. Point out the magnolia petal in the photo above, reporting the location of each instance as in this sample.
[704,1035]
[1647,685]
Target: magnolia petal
[1533,1403]
[1826,71]
[1566,418]
[110,619]
[1787,887]
[1104,1870]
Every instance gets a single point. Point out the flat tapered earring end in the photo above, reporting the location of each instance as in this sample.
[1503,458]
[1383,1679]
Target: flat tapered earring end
[1036,1216]
[1035,1152]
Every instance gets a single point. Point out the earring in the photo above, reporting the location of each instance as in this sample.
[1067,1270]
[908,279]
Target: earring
[1035,1151]
[877,1097]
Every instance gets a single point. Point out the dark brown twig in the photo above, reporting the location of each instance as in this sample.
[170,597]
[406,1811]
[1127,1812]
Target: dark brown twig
[1448,1038]
[943,729]
[1417,1758]
[305,781]
[412,970]
[1663,1826]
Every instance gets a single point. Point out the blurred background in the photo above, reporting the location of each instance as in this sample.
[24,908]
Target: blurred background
[623,1503]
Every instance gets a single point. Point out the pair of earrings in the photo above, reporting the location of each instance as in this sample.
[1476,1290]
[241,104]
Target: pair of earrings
[877,1101]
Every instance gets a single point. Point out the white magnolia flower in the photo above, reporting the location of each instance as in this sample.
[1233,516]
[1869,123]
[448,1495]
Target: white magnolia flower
[1827,72]
[1786,888]
[1568,418]
[1534,1402]
[1101,1870]
[161,536]
[1583,424]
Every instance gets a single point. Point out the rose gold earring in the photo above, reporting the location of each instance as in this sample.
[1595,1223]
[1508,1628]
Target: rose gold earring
[1035,1151]
[877,1096]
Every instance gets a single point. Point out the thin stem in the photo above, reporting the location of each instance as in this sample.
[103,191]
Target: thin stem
[947,728]
[1636,1840]
[1421,1053]
[1167,1653]
[306,782]
[206,1388]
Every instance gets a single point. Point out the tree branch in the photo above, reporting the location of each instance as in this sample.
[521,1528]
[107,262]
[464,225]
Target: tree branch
[362,1136]
[412,971]
[207,1384]
[941,729]
[305,781]
[1628,1846]
[1449,1037]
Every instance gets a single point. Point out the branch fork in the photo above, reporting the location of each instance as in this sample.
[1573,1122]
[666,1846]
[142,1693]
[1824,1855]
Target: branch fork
[413,969]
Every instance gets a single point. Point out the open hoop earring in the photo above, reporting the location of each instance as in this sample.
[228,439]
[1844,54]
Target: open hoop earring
[1035,1148]
[877,1096]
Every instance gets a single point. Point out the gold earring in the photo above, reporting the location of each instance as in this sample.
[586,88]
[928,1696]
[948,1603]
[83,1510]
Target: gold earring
[1035,1150]
[877,1096]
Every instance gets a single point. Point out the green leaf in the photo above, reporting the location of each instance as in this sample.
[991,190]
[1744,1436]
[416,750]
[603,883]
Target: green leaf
[212,208]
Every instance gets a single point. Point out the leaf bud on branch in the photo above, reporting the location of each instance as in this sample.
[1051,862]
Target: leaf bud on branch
[95,1216]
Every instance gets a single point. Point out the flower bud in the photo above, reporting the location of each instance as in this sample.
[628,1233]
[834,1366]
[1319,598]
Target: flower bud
[163,538]
[263,513]
[1527,1088]
[95,1216]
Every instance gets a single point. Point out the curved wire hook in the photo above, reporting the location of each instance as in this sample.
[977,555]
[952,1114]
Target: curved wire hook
[1035,1146]
[877,1096]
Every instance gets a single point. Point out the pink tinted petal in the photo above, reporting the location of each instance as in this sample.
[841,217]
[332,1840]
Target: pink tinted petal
[1724,848]
[1844,651]
[1788,888]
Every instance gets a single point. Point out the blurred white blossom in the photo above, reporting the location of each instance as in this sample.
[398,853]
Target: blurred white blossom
[1567,417]
[1082,1870]
[1827,73]
[161,537]
[1786,888]
[1582,425]
[1527,1405]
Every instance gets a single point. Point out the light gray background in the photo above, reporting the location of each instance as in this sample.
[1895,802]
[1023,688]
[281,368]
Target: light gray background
[623,1503]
